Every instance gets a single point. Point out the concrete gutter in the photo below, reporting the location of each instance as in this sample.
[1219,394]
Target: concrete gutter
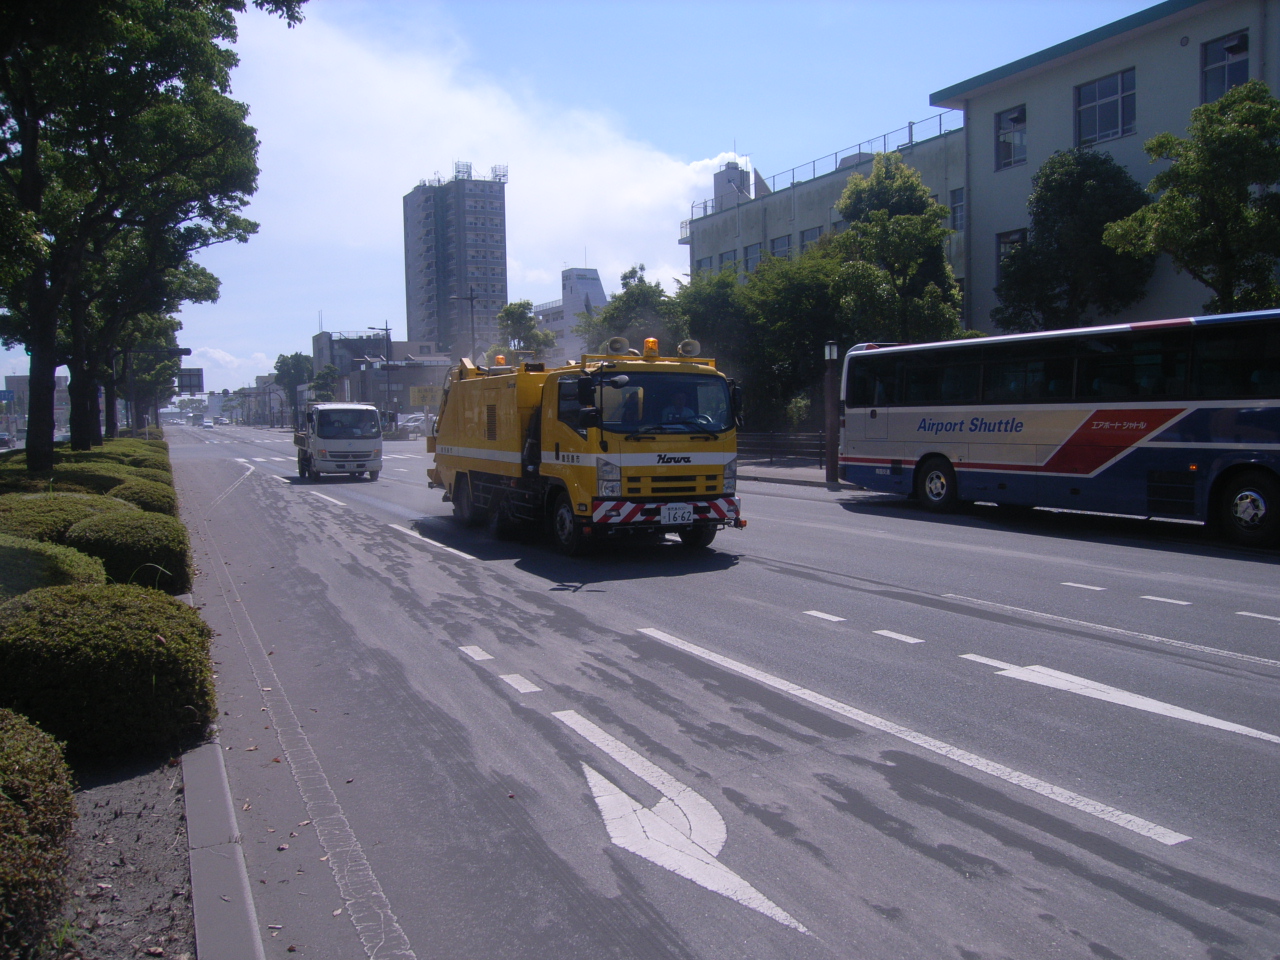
[226,921]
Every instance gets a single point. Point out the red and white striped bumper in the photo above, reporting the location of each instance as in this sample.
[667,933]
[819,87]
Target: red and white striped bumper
[722,510]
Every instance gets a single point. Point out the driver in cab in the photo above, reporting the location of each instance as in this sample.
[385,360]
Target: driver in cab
[677,411]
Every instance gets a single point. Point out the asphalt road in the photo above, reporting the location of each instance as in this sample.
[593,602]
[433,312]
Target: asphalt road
[851,730]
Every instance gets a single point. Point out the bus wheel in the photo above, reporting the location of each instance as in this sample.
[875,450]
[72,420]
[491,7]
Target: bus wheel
[570,540]
[465,510]
[1249,508]
[698,537]
[936,485]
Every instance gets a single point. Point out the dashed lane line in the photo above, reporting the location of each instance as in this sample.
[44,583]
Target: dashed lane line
[897,636]
[1081,586]
[326,497]
[1053,792]
[520,684]
[1180,603]
[476,653]
[1115,631]
[824,616]
[434,543]
[1260,616]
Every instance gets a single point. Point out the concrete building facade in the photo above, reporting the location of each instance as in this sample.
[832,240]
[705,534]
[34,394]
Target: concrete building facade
[580,292]
[1110,90]
[455,260]
[749,216]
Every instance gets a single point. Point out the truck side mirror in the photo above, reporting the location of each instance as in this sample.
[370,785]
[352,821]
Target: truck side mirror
[735,401]
[586,392]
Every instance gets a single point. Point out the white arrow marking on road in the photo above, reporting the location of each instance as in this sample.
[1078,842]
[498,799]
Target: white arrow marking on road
[1046,677]
[683,832]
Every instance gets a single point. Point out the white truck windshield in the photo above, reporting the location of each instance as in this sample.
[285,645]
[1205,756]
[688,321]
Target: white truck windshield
[347,425]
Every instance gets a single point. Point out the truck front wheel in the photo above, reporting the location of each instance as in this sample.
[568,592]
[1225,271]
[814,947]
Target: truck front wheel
[698,537]
[302,467]
[570,540]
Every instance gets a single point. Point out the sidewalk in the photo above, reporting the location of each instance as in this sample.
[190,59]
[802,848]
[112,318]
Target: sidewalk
[806,473]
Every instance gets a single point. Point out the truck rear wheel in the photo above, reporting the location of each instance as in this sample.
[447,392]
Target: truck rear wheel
[570,540]
[302,467]
[465,510]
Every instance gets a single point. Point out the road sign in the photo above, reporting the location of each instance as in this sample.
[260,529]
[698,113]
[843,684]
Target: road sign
[424,396]
[191,380]
[6,396]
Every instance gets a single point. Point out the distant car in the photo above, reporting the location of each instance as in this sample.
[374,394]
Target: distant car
[62,438]
[221,420]
[6,440]
[411,427]
[207,425]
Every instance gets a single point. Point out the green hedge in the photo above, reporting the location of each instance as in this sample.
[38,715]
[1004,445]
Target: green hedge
[156,476]
[112,670]
[151,461]
[149,495]
[48,516]
[147,548]
[37,809]
[27,564]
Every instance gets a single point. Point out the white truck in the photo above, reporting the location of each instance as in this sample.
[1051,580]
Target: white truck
[344,438]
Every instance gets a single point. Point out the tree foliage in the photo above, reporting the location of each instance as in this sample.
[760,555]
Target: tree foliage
[1218,211]
[1064,270]
[519,329]
[292,371]
[325,385]
[118,140]
[897,284]
[641,310]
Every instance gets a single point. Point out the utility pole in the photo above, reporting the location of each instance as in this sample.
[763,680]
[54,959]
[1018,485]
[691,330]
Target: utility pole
[386,367]
[471,298]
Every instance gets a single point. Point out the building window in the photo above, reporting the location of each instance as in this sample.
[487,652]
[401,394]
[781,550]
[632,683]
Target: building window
[957,209]
[729,259]
[809,237]
[751,256]
[703,265]
[1105,108]
[1011,137]
[780,246]
[1225,64]
[1006,243]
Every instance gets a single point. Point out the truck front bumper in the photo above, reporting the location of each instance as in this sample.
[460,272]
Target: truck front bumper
[722,512]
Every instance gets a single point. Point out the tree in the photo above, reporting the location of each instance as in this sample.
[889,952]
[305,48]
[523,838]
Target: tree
[518,327]
[1218,211]
[112,116]
[717,314]
[325,385]
[641,310]
[897,283]
[1064,269]
[293,371]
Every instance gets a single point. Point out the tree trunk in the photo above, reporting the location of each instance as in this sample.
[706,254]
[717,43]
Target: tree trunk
[111,423]
[95,416]
[40,424]
[81,389]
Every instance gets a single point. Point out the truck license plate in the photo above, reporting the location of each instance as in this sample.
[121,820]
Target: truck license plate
[677,513]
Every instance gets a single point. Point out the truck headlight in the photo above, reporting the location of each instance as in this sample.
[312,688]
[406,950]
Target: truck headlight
[609,488]
[608,471]
[731,476]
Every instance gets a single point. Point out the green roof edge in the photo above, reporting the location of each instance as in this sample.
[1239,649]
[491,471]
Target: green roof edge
[1131,22]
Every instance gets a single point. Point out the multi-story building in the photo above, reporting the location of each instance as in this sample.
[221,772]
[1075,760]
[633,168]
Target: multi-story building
[750,217]
[580,292]
[455,260]
[1111,90]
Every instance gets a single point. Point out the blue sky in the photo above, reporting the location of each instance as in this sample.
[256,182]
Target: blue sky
[610,116]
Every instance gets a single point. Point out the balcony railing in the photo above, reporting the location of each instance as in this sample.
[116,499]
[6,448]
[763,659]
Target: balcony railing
[901,139]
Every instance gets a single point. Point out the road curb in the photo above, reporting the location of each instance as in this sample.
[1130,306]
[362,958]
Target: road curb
[226,921]
[793,481]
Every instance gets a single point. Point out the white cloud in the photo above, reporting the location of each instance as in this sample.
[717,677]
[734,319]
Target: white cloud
[348,127]
[207,356]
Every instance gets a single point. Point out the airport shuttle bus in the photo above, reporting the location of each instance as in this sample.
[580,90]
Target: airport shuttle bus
[1175,419]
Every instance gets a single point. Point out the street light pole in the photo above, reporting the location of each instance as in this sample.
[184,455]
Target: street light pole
[471,298]
[386,367]
[831,394]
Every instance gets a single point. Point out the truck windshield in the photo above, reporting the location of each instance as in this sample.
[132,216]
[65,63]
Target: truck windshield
[666,403]
[347,425]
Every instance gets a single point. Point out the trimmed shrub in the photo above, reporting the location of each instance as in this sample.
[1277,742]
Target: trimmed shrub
[148,548]
[156,476]
[48,516]
[149,495]
[28,564]
[37,809]
[113,670]
[153,461]
[96,476]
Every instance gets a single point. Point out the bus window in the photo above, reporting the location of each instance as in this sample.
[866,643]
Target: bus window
[1122,368]
[873,381]
[1238,361]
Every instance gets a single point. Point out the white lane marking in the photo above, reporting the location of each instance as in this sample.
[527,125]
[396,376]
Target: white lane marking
[1260,616]
[520,683]
[476,653]
[1081,586]
[259,459]
[241,460]
[416,535]
[1181,603]
[1058,680]
[1000,664]
[683,832]
[399,469]
[324,497]
[276,476]
[897,636]
[1092,807]
[1117,631]
[825,616]
[281,459]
